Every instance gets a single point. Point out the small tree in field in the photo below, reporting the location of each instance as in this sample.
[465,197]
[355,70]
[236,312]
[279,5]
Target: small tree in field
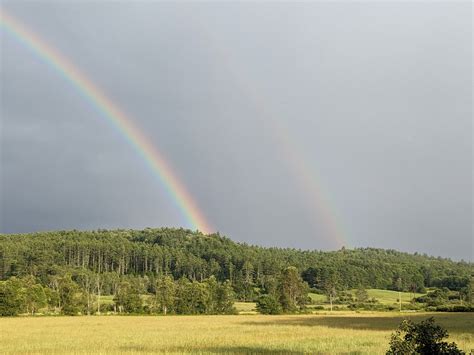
[424,338]
[268,304]
[225,298]
[362,295]
[293,290]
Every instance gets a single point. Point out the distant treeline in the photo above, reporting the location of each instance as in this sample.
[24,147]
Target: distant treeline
[107,261]
[183,253]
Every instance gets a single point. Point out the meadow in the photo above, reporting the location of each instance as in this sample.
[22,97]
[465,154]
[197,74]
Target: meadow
[339,332]
[384,297]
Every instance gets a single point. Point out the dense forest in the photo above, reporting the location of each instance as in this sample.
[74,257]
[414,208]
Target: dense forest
[200,273]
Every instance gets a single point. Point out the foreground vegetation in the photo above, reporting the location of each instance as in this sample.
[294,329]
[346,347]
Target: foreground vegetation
[341,332]
[424,337]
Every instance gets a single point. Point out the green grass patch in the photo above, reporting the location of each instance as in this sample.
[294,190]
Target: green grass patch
[390,297]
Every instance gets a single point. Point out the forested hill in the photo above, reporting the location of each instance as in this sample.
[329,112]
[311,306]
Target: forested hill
[180,252]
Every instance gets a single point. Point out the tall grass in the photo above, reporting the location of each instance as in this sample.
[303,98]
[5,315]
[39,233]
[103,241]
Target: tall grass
[336,333]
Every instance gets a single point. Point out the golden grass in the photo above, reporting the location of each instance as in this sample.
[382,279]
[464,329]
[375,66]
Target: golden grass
[246,307]
[336,333]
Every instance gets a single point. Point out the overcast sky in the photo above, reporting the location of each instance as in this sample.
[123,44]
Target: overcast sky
[301,125]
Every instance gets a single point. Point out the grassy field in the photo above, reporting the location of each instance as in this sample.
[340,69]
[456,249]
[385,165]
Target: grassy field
[386,297]
[391,297]
[383,296]
[246,307]
[340,332]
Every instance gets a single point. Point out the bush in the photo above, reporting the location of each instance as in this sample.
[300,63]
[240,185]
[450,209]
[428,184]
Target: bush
[267,304]
[369,306]
[434,298]
[454,308]
[107,308]
[421,338]
[344,297]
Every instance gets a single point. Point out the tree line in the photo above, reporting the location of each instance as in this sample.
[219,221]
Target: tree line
[82,293]
[201,272]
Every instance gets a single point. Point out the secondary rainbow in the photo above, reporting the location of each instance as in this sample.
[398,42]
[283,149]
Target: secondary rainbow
[110,111]
[321,211]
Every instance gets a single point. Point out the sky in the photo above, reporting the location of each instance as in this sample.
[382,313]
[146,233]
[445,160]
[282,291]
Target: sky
[305,125]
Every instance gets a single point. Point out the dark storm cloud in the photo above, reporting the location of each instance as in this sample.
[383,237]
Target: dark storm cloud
[375,98]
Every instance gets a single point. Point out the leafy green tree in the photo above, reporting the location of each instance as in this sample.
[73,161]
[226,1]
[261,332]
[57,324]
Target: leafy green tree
[183,302]
[12,300]
[86,279]
[436,297]
[361,295]
[424,338]
[201,298]
[34,295]
[165,294]
[52,299]
[35,298]
[97,285]
[293,290]
[331,293]
[345,297]
[70,296]
[271,285]
[398,283]
[467,292]
[212,287]
[225,298]
[192,297]
[417,283]
[311,276]
[247,281]
[128,299]
[268,304]
[111,282]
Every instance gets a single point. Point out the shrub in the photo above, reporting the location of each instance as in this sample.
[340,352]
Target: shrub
[268,304]
[454,308]
[369,306]
[421,338]
[362,295]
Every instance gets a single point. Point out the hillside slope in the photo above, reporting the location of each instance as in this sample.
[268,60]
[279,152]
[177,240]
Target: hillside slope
[181,252]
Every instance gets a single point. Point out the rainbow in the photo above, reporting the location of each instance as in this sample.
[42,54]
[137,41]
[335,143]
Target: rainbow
[112,113]
[321,209]
[311,182]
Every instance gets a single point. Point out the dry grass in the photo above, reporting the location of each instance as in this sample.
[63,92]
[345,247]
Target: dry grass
[335,333]
[246,307]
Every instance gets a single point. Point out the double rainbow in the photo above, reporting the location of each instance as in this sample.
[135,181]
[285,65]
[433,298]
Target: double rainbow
[112,113]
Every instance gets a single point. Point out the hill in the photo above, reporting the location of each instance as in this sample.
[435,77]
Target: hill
[193,255]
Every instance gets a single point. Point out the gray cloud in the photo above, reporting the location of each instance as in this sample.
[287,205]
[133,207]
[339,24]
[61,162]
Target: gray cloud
[374,98]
